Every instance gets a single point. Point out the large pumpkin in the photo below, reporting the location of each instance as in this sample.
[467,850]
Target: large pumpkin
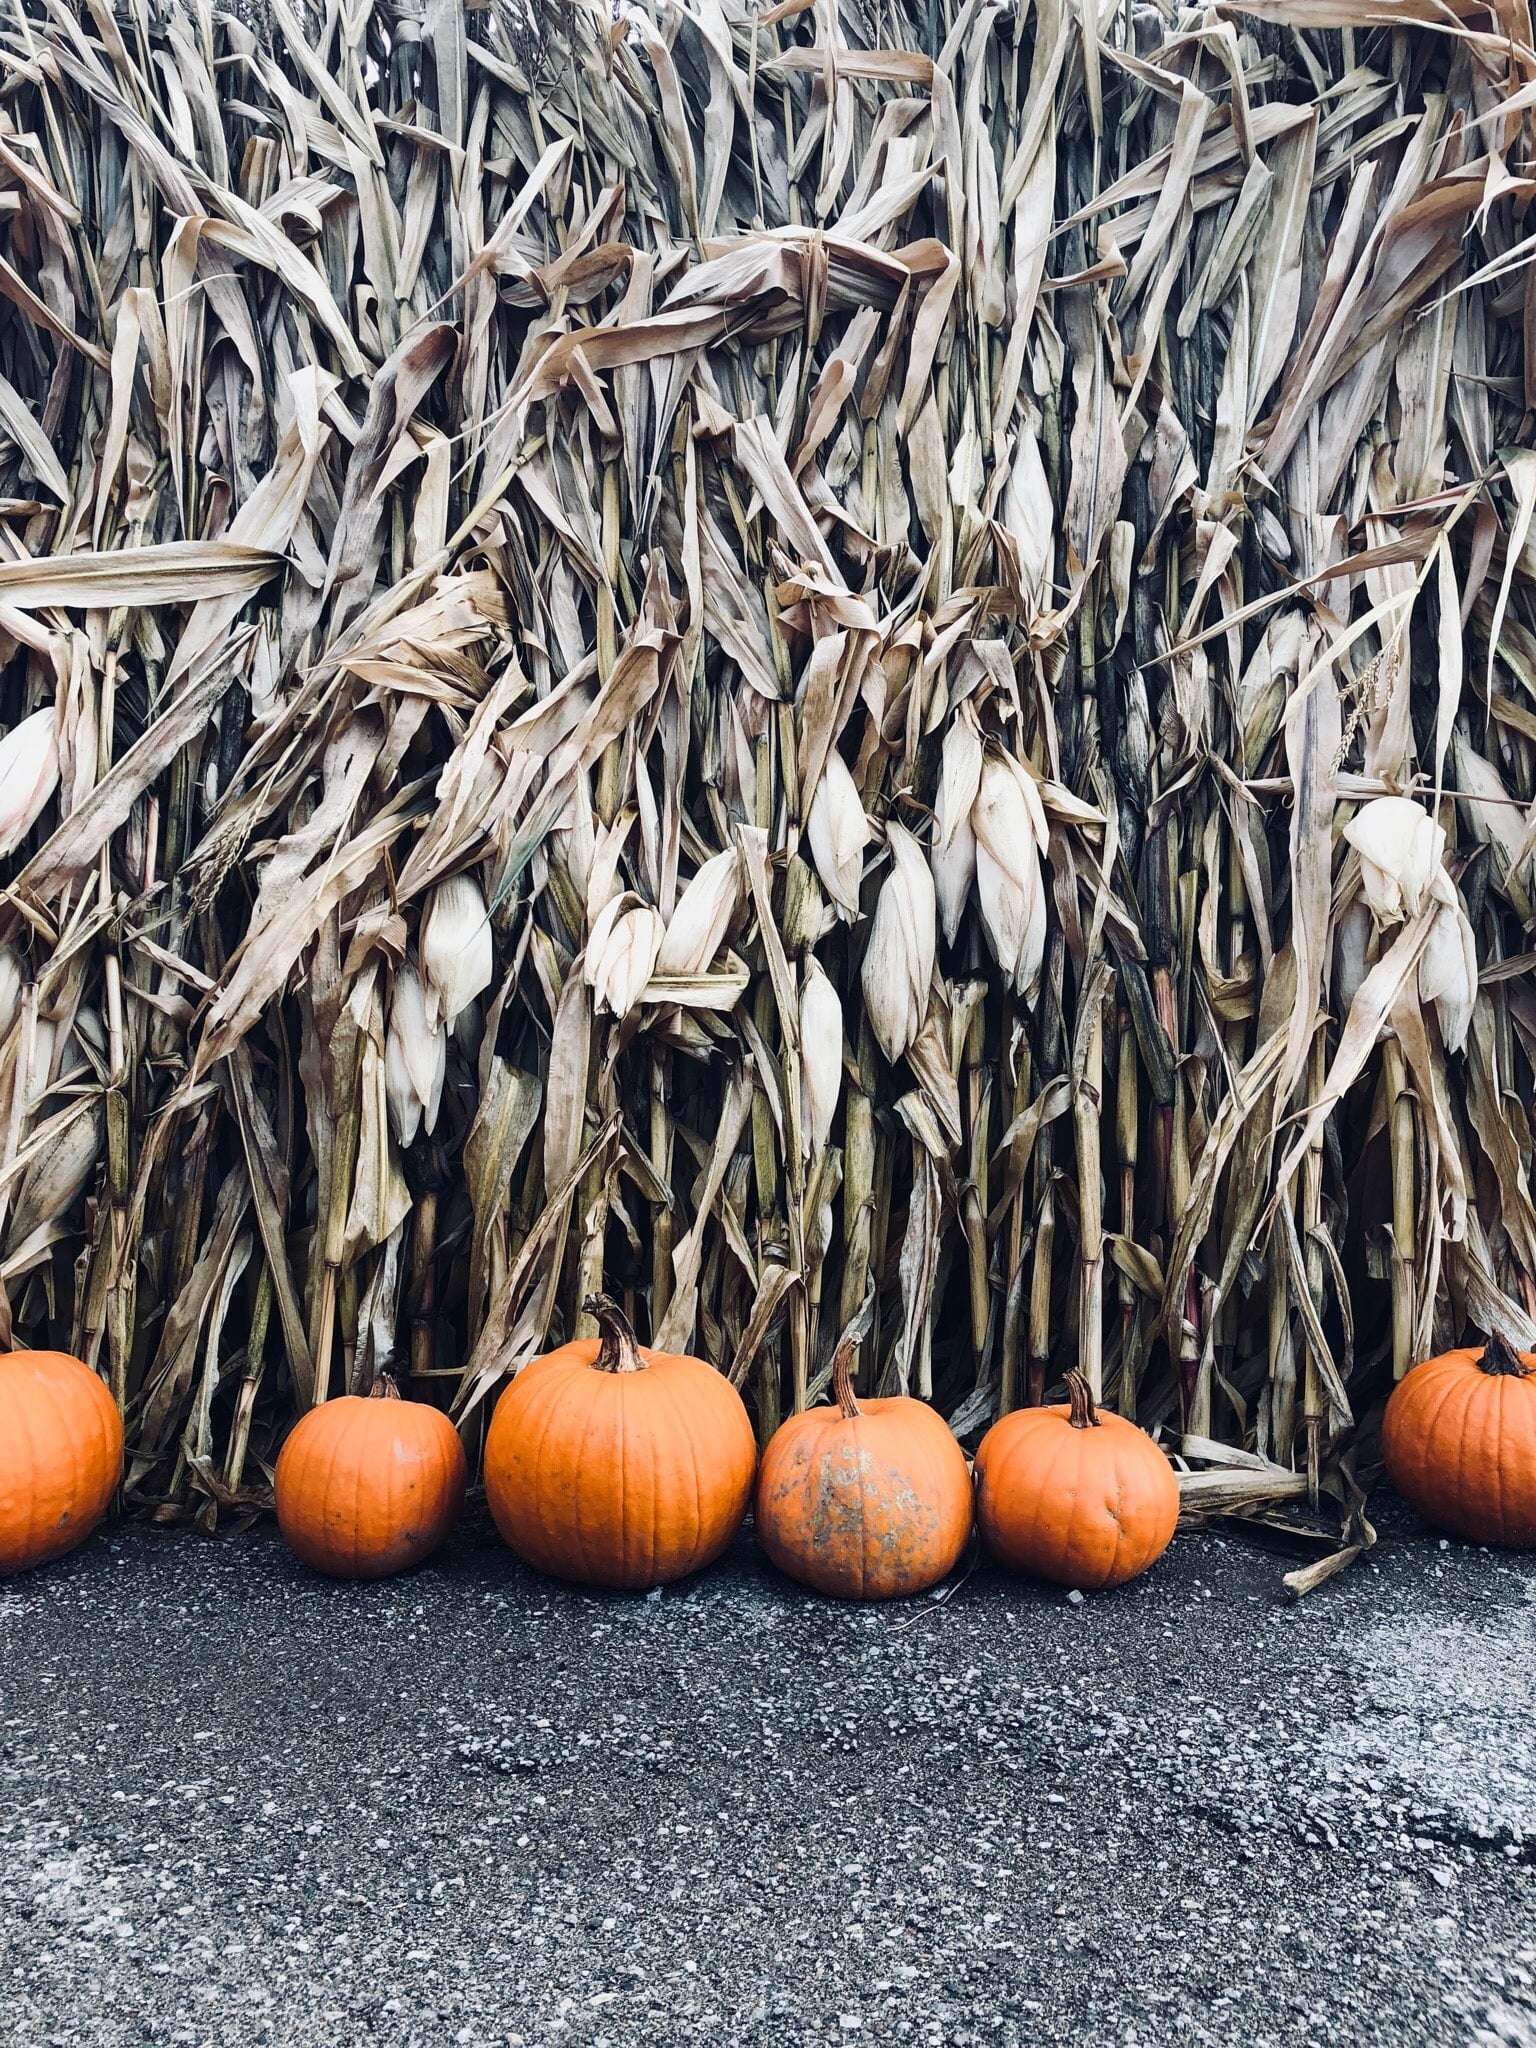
[61,1455]
[1073,1494]
[864,1501]
[1459,1440]
[614,1465]
[369,1484]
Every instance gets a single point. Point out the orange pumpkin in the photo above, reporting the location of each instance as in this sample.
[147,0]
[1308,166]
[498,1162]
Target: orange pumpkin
[368,1485]
[865,1502]
[614,1465]
[61,1456]
[1459,1440]
[1074,1495]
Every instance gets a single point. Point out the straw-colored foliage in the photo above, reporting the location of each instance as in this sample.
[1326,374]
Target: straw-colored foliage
[756,657]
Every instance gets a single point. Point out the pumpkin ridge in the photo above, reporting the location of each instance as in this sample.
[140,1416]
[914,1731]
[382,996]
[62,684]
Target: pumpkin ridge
[335,1465]
[530,1458]
[1504,1432]
[1495,1462]
[579,1491]
[859,1469]
[653,1437]
[1079,1496]
[31,1533]
[1469,1436]
[332,1442]
[1116,1510]
[56,1418]
[548,1396]
[659,1540]
[1424,1424]
[391,1487]
[653,1515]
[67,1438]
[620,1452]
[1469,1447]
[359,1477]
[686,1409]
[405,1498]
[1041,1491]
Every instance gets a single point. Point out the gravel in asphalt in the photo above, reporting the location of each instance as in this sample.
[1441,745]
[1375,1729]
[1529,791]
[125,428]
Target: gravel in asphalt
[240,1804]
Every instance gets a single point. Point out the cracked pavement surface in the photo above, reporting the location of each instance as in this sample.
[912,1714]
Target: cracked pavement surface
[239,1804]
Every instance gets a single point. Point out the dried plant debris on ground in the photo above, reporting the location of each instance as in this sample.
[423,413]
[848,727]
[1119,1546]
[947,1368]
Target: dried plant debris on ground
[754,655]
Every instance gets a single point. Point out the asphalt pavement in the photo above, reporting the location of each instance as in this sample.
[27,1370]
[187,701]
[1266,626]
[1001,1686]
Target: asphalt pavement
[240,1804]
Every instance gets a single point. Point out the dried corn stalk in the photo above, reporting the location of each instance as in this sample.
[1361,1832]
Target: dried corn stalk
[766,659]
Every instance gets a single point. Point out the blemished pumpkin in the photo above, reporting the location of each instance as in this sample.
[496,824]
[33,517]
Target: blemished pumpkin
[615,1465]
[864,1500]
[1073,1494]
[368,1485]
[1459,1441]
[61,1456]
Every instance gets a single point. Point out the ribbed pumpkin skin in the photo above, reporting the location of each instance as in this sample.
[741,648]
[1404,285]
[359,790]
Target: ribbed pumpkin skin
[867,1506]
[1088,1508]
[623,1479]
[61,1456]
[1460,1446]
[369,1487]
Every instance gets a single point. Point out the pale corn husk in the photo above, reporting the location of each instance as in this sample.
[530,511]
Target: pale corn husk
[954,876]
[621,953]
[1010,891]
[1400,847]
[44,1034]
[821,1057]
[10,988]
[29,775]
[838,831]
[898,960]
[952,854]
[697,927]
[1448,964]
[415,1058]
[457,958]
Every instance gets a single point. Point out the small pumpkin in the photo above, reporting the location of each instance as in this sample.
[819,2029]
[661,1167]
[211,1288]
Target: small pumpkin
[615,1465]
[61,1456]
[1073,1494]
[865,1501]
[368,1485]
[1459,1441]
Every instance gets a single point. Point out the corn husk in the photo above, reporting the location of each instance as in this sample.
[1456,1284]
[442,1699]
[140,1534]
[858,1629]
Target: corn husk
[898,960]
[622,953]
[415,1059]
[1400,848]
[838,832]
[821,1057]
[1010,891]
[457,958]
[29,775]
[697,927]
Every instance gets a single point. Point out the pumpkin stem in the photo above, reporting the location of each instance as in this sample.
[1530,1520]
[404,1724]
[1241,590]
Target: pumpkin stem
[842,1378]
[617,1349]
[1500,1359]
[1084,1414]
[384,1388]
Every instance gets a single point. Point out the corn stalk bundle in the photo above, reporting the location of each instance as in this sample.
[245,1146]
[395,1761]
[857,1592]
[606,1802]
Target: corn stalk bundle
[861,658]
